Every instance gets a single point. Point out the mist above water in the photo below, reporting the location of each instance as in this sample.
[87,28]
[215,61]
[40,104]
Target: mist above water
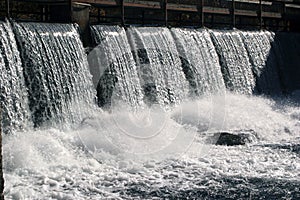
[118,149]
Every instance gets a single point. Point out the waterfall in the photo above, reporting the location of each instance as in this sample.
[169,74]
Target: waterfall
[263,59]
[199,59]
[235,63]
[56,73]
[168,149]
[14,97]
[113,68]
[159,65]
[151,65]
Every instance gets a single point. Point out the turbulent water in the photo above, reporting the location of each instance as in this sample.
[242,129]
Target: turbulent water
[100,160]
[56,73]
[14,100]
[151,151]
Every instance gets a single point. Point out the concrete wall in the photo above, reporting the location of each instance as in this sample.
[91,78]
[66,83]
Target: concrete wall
[287,51]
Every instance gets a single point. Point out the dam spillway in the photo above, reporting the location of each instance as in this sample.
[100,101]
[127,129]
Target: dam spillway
[139,66]
[54,81]
[181,83]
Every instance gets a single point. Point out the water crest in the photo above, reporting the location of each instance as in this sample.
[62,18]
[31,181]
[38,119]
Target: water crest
[263,60]
[200,62]
[14,98]
[113,68]
[159,65]
[56,73]
[235,63]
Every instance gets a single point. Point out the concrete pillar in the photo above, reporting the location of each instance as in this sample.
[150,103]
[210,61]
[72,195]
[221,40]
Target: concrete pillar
[81,16]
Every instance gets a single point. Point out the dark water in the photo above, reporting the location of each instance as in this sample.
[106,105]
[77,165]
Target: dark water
[220,188]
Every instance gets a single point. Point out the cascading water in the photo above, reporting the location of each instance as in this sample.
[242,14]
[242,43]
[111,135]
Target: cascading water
[159,65]
[56,73]
[236,67]
[263,59]
[14,100]
[115,155]
[113,68]
[200,60]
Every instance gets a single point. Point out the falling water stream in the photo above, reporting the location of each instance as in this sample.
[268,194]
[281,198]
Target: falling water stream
[163,98]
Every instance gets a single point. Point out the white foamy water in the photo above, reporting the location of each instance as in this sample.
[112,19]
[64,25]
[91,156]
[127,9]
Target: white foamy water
[14,97]
[116,154]
[200,61]
[159,65]
[56,73]
[234,60]
[113,68]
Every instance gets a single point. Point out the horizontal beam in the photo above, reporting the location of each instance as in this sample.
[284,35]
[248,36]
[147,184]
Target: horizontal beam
[268,2]
[44,2]
[184,8]
[179,7]
[264,2]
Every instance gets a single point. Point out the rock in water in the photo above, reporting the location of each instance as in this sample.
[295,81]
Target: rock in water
[240,137]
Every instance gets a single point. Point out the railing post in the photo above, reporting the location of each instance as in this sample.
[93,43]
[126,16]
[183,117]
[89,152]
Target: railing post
[260,15]
[283,14]
[143,18]
[70,5]
[47,13]
[7,4]
[42,12]
[164,7]
[233,12]
[201,12]
[122,12]
[98,15]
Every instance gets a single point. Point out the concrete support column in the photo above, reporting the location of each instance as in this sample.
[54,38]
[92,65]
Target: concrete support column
[81,16]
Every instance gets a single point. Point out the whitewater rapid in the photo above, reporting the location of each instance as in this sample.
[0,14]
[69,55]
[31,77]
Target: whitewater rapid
[153,153]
